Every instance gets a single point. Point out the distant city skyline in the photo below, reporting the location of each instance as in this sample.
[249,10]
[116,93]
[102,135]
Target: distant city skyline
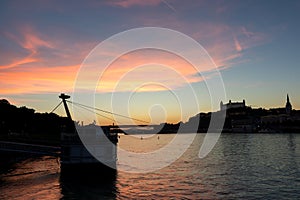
[253,43]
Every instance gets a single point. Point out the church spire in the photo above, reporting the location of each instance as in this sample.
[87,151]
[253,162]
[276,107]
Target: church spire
[288,105]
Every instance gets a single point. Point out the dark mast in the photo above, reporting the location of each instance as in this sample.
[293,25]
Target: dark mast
[71,126]
[64,97]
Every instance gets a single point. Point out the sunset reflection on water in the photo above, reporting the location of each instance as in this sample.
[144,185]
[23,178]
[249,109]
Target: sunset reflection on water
[240,166]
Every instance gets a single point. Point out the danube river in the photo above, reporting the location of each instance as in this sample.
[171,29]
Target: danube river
[241,166]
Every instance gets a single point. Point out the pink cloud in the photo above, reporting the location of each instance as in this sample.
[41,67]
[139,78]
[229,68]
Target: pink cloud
[130,3]
[41,72]
[225,43]
[44,50]
[45,64]
[31,41]
[238,46]
[252,39]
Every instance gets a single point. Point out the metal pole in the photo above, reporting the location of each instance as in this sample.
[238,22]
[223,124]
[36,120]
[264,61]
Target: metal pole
[64,97]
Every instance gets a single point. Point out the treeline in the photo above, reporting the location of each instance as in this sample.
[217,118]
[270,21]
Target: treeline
[22,123]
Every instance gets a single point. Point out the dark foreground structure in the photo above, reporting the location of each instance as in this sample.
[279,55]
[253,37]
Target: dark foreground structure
[83,147]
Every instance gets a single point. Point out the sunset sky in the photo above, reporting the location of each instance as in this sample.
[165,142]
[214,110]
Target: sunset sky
[254,44]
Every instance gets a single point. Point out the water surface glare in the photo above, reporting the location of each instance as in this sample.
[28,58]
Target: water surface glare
[241,166]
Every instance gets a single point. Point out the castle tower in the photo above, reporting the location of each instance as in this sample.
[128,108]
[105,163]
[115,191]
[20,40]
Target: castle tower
[288,105]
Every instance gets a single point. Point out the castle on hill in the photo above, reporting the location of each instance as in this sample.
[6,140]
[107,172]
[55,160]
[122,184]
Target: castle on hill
[243,118]
[231,105]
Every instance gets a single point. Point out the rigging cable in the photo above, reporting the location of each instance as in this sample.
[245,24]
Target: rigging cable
[56,107]
[90,110]
[107,111]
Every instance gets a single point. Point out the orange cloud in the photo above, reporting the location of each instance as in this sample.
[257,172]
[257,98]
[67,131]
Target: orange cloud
[38,79]
[36,72]
[47,67]
[26,60]
[148,68]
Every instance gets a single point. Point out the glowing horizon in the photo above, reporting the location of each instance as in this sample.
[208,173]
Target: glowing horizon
[43,46]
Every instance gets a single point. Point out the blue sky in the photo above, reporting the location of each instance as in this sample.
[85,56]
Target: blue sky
[254,43]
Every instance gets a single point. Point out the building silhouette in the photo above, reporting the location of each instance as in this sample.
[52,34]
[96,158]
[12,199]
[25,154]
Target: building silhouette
[288,105]
[230,105]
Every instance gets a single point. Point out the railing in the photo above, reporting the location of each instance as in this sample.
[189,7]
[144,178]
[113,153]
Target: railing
[29,148]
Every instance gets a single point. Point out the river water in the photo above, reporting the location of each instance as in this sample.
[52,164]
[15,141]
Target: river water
[241,166]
